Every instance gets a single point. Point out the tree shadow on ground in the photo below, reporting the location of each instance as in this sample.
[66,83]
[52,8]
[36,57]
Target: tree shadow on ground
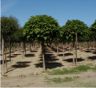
[29,55]
[49,57]
[16,54]
[71,59]
[92,57]
[94,52]
[21,64]
[88,50]
[49,62]
[12,56]
[49,65]
[66,54]
[60,54]
[33,51]
[1,62]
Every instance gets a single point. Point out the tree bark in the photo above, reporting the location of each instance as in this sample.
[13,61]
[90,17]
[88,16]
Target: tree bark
[95,44]
[2,52]
[6,70]
[30,47]
[63,50]
[76,41]
[24,47]
[43,55]
[88,45]
[10,50]
[3,58]
[57,48]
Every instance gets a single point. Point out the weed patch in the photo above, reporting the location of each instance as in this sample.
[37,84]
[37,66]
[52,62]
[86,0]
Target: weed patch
[60,80]
[78,69]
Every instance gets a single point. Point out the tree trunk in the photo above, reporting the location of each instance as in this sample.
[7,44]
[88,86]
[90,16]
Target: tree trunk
[2,48]
[6,70]
[30,47]
[10,50]
[57,48]
[4,63]
[63,50]
[95,44]
[76,41]
[43,55]
[88,45]
[24,47]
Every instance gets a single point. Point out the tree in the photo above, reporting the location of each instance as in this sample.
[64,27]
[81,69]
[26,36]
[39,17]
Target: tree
[9,25]
[93,32]
[63,37]
[55,37]
[74,31]
[40,28]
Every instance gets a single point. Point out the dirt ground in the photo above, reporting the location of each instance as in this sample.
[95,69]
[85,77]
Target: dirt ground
[27,71]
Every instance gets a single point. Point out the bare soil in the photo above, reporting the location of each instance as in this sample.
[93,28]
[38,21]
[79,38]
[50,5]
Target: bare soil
[27,71]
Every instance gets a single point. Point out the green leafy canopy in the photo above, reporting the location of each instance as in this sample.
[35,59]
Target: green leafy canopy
[40,27]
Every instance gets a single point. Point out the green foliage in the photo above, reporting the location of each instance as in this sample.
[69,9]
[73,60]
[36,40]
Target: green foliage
[46,28]
[74,26]
[40,27]
[93,26]
[18,35]
[93,31]
[9,25]
[86,35]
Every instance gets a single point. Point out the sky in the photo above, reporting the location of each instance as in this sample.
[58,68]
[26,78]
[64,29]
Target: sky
[61,10]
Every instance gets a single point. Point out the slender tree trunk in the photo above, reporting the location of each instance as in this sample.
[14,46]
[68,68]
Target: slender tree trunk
[95,44]
[40,45]
[30,47]
[43,55]
[57,48]
[6,69]
[88,45]
[35,46]
[2,48]
[4,61]
[10,50]
[76,41]
[73,44]
[63,50]
[24,47]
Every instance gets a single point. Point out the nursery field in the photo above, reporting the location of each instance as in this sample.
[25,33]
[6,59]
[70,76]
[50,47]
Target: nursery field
[27,71]
[44,54]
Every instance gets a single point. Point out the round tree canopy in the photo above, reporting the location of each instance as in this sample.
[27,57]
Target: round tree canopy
[40,27]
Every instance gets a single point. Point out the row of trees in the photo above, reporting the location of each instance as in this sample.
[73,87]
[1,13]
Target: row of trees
[44,30]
